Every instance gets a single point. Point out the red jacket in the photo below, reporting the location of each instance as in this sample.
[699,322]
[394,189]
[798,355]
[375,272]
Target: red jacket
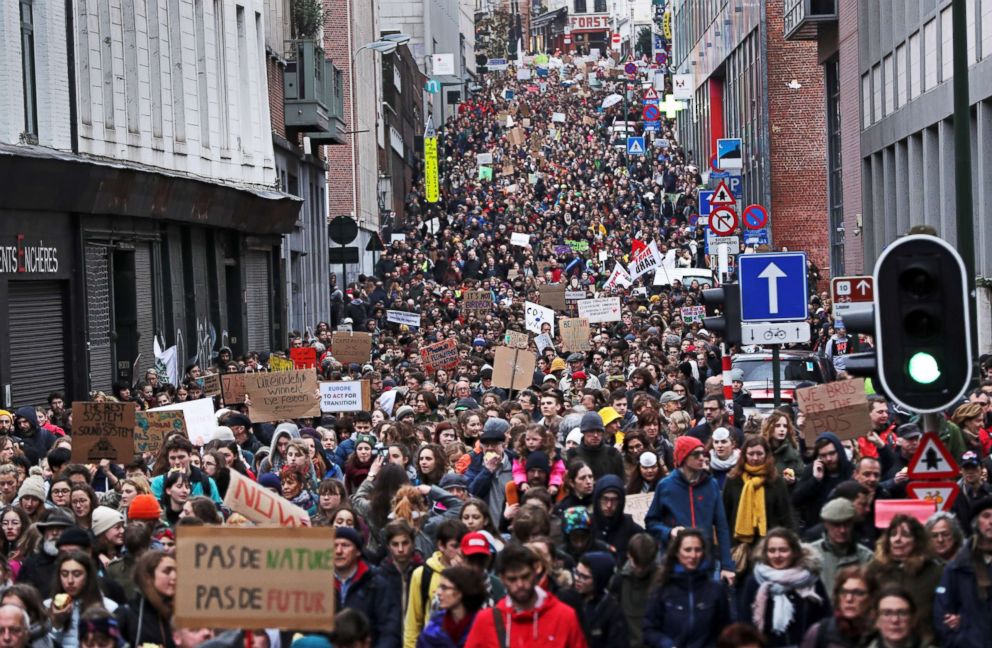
[550,623]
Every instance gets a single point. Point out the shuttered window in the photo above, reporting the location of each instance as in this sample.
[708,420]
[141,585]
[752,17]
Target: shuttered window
[37,340]
[259,291]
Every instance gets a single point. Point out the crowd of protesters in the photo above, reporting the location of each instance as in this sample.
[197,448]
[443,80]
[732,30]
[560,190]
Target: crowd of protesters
[468,514]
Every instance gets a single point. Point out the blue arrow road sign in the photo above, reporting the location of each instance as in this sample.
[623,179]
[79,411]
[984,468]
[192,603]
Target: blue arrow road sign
[635,146]
[773,287]
[704,203]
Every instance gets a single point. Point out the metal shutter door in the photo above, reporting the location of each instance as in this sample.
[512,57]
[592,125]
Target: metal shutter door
[259,291]
[145,306]
[37,340]
[98,321]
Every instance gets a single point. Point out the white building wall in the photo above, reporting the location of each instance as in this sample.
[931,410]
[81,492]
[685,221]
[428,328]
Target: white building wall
[466,27]
[368,112]
[175,84]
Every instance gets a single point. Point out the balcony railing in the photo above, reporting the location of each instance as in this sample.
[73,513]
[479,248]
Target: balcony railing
[313,93]
[803,17]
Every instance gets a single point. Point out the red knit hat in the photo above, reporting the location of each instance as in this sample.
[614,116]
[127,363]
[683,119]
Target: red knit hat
[684,445]
[144,507]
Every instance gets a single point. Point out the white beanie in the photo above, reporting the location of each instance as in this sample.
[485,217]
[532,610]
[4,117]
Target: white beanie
[33,486]
[104,519]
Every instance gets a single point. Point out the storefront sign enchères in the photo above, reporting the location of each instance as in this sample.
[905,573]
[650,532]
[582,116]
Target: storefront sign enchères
[28,256]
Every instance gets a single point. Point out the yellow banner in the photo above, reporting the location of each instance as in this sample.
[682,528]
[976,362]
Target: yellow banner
[280,364]
[430,169]
[666,25]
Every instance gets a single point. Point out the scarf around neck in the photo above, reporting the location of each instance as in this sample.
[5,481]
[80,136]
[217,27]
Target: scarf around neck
[723,465]
[777,583]
[752,519]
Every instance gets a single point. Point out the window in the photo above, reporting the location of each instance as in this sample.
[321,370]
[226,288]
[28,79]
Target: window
[600,6]
[901,66]
[580,6]
[203,97]
[865,104]
[27,69]
[946,45]
[913,52]
[835,177]
[930,55]
[876,92]
[969,6]
[986,28]
[220,62]
[889,95]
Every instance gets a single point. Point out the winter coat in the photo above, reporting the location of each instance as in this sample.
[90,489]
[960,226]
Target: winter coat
[787,456]
[617,530]
[602,460]
[488,486]
[921,585]
[418,610]
[197,479]
[678,503]
[39,441]
[632,590]
[810,493]
[778,508]
[807,611]
[369,595]
[603,621]
[958,593]
[826,634]
[549,623]
[398,581]
[141,623]
[435,636]
[833,559]
[689,610]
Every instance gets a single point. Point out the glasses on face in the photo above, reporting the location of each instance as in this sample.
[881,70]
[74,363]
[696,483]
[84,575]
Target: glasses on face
[900,615]
[582,576]
[854,591]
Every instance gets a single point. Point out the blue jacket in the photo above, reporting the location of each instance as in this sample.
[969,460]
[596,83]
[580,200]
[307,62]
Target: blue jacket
[435,636]
[678,503]
[688,611]
[958,594]
[369,594]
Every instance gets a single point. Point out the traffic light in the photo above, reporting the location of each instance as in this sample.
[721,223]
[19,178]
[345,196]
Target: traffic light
[726,300]
[923,335]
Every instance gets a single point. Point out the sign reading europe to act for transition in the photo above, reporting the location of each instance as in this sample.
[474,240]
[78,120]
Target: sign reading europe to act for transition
[240,577]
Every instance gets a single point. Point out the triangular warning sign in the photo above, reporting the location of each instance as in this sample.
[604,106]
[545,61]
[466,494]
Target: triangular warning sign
[932,460]
[651,93]
[722,195]
[635,146]
[941,493]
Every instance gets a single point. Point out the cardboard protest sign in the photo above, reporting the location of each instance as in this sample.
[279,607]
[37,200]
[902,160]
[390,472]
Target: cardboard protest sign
[351,347]
[102,431]
[507,170]
[151,429]
[283,395]
[233,388]
[516,136]
[440,355]
[262,506]
[521,239]
[211,384]
[525,122]
[637,506]
[200,419]
[588,121]
[574,334]
[516,339]
[692,314]
[345,396]
[840,407]
[403,317]
[513,368]
[278,363]
[242,577]
[477,300]
[597,311]
[303,357]
[552,296]
[537,316]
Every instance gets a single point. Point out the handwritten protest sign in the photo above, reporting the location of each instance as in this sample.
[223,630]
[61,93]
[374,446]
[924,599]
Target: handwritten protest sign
[351,347]
[345,396]
[840,407]
[242,577]
[574,333]
[513,368]
[692,314]
[440,355]
[233,386]
[521,239]
[637,506]
[262,506]
[151,429]
[484,158]
[278,363]
[283,395]
[543,341]
[537,316]
[575,295]
[477,300]
[403,317]
[102,431]
[603,309]
[211,384]
[516,339]
[553,296]
[516,136]
[303,357]
[507,170]
[200,419]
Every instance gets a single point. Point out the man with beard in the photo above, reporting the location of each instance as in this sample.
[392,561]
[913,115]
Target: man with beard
[38,568]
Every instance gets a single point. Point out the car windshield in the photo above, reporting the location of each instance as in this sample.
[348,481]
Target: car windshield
[792,369]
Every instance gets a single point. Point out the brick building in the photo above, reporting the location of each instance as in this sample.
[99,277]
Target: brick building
[749,82]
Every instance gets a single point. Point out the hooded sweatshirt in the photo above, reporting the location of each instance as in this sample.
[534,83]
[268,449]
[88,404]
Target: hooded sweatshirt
[603,620]
[549,623]
[275,461]
[37,442]
[617,529]
[810,494]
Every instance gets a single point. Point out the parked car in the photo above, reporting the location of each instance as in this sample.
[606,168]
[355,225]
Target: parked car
[796,367]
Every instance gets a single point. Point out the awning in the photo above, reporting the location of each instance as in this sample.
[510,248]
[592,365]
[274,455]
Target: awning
[548,17]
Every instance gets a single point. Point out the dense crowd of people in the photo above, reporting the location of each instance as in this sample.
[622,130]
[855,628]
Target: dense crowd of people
[470,514]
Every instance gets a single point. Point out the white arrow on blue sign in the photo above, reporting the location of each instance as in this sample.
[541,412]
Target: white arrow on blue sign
[704,203]
[773,287]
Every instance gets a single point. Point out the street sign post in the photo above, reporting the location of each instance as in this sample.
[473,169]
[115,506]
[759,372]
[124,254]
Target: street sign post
[635,145]
[722,195]
[723,220]
[773,287]
[754,217]
[775,333]
[941,493]
[852,294]
[705,207]
[730,153]
[932,460]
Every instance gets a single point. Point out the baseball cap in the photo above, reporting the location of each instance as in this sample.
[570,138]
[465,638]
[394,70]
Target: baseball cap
[475,543]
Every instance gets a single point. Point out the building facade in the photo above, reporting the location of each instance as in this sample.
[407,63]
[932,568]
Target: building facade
[140,190]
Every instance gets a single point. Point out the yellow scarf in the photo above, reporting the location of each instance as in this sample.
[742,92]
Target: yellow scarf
[751,518]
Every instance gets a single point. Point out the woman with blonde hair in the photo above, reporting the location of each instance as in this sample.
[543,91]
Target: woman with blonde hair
[779,431]
[968,418]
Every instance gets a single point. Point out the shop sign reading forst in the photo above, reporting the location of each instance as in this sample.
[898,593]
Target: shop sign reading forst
[589,22]
[28,257]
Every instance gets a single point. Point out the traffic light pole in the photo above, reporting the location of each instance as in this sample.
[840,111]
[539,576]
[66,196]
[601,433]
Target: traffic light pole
[776,377]
[962,161]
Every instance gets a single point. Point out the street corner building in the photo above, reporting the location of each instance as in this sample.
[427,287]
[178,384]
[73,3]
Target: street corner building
[140,192]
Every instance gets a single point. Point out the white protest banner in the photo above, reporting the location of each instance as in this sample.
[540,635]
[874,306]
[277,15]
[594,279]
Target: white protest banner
[645,260]
[597,311]
[558,117]
[543,341]
[344,396]
[575,295]
[403,317]
[520,238]
[692,314]
[199,415]
[484,158]
[536,316]
[523,74]
[618,278]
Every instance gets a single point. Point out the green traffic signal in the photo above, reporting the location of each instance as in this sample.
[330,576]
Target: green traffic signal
[923,368]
